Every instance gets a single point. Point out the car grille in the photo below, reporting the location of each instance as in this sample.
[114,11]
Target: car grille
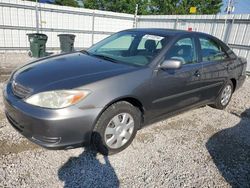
[19,90]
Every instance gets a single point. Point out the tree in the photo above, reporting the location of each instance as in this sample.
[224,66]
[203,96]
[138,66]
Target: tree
[124,6]
[156,6]
[164,6]
[209,6]
[183,6]
[71,3]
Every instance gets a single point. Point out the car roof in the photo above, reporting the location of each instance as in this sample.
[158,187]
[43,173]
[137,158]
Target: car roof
[164,32]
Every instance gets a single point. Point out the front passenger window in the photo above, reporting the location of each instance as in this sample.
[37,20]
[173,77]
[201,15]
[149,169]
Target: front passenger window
[184,50]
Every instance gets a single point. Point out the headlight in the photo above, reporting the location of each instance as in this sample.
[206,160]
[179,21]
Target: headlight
[57,99]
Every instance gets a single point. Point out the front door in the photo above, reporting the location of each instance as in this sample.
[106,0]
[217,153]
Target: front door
[174,89]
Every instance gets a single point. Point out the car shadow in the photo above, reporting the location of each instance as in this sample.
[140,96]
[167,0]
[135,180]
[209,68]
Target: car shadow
[230,151]
[88,171]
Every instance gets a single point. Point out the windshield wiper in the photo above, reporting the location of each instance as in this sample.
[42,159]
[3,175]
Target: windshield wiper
[101,56]
[85,52]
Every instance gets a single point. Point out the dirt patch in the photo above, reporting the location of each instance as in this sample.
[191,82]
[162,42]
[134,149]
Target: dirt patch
[10,148]
[175,123]
[2,116]
[1,104]
[4,78]
[145,137]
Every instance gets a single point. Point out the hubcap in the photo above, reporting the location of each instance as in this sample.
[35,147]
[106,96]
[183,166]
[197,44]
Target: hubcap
[226,94]
[119,130]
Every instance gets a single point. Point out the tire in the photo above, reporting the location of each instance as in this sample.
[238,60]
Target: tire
[116,128]
[219,104]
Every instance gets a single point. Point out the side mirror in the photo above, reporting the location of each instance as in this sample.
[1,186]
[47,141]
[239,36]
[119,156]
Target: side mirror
[171,64]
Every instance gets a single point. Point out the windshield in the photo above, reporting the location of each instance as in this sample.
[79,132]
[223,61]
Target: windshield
[134,48]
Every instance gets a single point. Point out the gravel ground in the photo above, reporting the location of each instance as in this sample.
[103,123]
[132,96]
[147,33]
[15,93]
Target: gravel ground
[204,147]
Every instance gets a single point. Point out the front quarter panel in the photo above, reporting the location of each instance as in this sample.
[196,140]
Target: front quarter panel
[134,84]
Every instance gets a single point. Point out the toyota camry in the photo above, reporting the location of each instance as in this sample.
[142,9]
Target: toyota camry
[101,96]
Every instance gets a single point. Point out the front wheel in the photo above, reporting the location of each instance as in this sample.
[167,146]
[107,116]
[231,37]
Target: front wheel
[225,96]
[116,128]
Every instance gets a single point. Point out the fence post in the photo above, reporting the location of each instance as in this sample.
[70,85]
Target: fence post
[135,16]
[37,18]
[40,16]
[228,30]
[93,28]
[213,26]
[176,23]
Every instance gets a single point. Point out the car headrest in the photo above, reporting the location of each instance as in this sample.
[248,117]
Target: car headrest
[150,45]
[174,51]
[186,49]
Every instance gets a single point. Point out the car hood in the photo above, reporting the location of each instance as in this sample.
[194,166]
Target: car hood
[67,71]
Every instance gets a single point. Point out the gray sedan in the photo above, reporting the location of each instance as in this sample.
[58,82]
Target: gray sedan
[103,95]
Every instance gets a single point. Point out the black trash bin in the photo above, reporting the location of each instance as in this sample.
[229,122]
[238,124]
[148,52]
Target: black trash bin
[37,44]
[66,42]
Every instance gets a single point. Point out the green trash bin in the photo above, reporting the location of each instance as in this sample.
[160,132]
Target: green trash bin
[37,44]
[66,42]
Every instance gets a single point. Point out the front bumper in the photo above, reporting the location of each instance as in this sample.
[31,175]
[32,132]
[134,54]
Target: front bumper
[54,129]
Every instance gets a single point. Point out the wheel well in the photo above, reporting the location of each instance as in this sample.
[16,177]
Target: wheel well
[135,102]
[234,83]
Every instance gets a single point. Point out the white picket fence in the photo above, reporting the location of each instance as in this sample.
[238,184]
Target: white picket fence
[17,18]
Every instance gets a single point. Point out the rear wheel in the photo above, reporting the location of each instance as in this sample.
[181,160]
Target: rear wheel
[225,96]
[116,128]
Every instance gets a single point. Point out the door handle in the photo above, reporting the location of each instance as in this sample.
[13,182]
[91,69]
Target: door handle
[197,73]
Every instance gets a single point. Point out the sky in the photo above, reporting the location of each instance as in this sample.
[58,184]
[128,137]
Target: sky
[241,6]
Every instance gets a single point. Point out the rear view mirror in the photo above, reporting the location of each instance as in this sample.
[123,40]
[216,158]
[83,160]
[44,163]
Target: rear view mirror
[171,64]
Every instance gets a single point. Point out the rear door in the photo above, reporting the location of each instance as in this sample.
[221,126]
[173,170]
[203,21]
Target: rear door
[215,62]
[178,88]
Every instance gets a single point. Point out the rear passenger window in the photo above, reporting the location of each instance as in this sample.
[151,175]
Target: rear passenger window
[211,51]
[184,50]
